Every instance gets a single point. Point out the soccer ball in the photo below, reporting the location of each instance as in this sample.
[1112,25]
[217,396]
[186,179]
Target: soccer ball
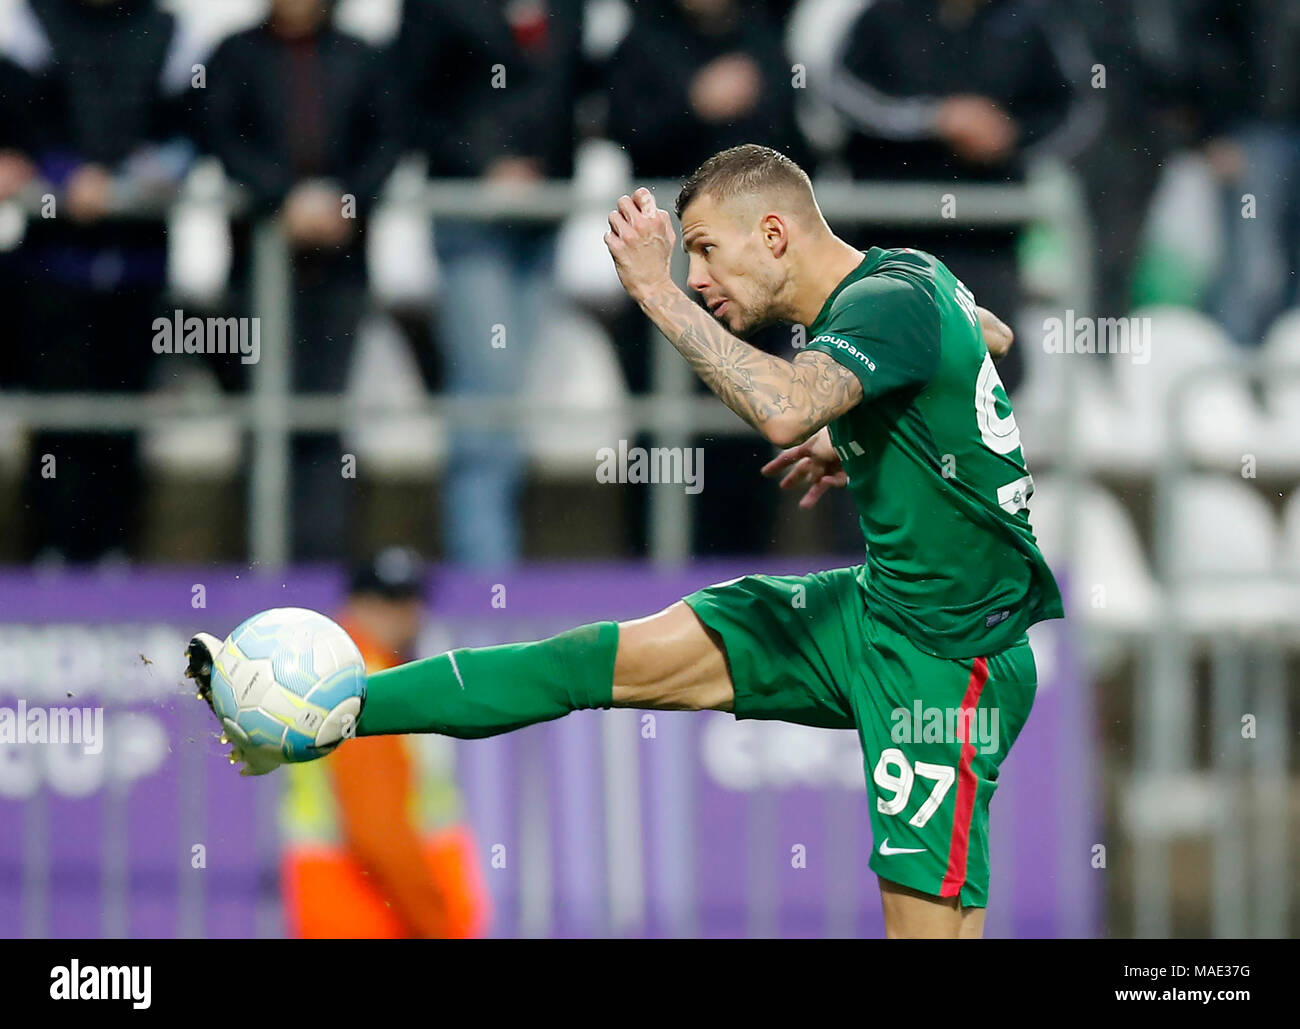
[289,679]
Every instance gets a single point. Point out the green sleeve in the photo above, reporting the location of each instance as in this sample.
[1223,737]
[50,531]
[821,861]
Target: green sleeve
[886,331]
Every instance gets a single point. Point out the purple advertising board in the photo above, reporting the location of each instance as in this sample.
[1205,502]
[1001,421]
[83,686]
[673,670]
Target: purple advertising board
[613,823]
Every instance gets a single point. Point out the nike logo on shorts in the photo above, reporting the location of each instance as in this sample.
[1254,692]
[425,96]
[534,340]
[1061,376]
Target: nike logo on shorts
[886,850]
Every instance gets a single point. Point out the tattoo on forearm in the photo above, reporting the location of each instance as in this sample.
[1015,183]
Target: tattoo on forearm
[756,385]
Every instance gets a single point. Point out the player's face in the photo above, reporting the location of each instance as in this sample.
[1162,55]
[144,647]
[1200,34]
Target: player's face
[731,266]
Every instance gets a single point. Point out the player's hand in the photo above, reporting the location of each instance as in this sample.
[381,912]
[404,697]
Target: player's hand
[640,239]
[812,464]
[256,758]
[998,336]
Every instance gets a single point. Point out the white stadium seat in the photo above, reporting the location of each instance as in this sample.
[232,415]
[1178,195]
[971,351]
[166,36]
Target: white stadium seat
[1180,340]
[1291,536]
[1282,343]
[1222,423]
[209,446]
[375,21]
[583,268]
[1225,554]
[1280,451]
[1221,526]
[1100,431]
[575,367]
[1111,586]
[384,373]
[198,235]
[399,244]
[604,24]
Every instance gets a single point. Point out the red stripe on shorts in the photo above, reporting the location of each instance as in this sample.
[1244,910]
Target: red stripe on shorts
[959,846]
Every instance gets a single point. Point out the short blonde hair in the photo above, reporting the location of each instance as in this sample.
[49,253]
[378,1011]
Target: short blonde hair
[747,170]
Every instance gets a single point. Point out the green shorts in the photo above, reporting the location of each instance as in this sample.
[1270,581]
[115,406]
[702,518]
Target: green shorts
[934,731]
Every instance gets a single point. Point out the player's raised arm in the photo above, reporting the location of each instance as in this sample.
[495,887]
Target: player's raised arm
[786,401]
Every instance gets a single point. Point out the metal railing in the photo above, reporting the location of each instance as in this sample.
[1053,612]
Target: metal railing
[1249,819]
[671,411]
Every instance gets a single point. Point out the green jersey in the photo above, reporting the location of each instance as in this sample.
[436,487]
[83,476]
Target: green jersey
[934,461]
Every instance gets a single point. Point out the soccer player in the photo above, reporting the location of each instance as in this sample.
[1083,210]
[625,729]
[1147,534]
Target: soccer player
[896,397]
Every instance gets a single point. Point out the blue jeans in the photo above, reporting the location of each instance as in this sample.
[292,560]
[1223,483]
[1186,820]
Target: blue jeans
[1261,258]
[497,288]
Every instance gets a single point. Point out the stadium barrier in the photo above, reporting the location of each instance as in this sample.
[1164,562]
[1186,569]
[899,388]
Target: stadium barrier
[1229,629]
[671,411]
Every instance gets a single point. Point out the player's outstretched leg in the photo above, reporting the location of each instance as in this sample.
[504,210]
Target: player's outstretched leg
[667,661]
[671,662]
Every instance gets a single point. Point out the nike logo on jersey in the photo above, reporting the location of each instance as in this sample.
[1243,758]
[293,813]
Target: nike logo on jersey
[886,850]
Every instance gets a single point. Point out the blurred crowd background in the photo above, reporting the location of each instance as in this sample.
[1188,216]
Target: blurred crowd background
[1141,156]
[118,116]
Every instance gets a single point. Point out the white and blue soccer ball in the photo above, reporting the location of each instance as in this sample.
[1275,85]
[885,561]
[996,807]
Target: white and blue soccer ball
[290,680]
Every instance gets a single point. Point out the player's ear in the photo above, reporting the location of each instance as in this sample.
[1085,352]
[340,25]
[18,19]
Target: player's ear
[775,233]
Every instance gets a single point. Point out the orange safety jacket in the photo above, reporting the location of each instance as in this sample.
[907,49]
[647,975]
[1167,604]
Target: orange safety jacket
[376,846]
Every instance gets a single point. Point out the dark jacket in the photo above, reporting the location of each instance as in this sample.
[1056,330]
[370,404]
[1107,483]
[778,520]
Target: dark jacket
[450,52]
[101,93]
[650,78]
[899,60]
[280,111]
[19,108]
[99,97]
[1248,63]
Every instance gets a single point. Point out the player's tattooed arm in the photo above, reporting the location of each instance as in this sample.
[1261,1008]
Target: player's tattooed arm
[786,401]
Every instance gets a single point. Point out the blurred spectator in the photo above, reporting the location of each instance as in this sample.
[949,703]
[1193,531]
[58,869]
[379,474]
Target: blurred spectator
[691,78]
[17,112]
[109,82]
[1148,66]
[1249,86]
[375,843]
[305,118]
[959,91]
[491,88]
